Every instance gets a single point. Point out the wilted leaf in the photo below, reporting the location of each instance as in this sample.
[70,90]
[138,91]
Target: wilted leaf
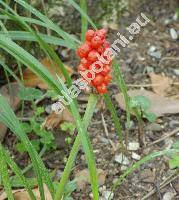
[54,120]
[32,80]
[160,84]
[159,105]
[22,194]
[13,100]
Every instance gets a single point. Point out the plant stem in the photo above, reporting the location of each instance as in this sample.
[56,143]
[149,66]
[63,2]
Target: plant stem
[86,120]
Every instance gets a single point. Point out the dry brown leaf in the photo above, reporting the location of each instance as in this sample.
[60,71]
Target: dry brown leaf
[13,100]
[82,178]
[22,194]
[32,80]
[54,120]
[160,84]
[159,105]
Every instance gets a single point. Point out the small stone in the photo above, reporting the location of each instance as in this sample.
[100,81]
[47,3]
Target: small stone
[122,159]
[108,194]
[167,21]
[123,168]
[135,156]
[156,54]
[48,109]
[176,71]
[153,127]
[133,146]
[173,123]
[152,49]
[91,195]
[168,196]
[104,140]
[173,34]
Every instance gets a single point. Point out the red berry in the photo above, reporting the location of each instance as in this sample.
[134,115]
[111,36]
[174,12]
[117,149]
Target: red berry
[106,70]
[93,56]
[83,50]
[101,33]
[89,35]
[100,50]
[96,42]
[107,79]
[85,62]
[81,68]
[102,89]
[98,80]
[106,44]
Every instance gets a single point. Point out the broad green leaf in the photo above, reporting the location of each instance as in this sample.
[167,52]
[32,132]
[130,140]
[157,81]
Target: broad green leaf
[29,94]
[174,161]
[140,102]
[151,117]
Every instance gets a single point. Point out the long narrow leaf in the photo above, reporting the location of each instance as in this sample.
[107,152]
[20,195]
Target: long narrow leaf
[46,20]
[77,7]
[84,22]
[26,36]
[18,172]
[8,117]
[5,175]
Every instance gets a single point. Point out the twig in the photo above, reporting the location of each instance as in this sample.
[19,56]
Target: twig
[104,125]
[150,84]
[168,58]
[164,137]
[162,185]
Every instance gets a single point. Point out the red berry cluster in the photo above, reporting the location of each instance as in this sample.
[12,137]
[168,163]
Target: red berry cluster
[89,52]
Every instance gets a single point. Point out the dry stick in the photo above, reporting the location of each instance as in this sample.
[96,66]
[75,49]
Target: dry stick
[150,84]
[164,137]
[104,125]
[162,185]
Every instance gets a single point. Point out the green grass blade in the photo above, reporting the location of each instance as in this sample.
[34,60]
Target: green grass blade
[38,68]
[8,117]
[47,49]
[84,22]
[115,118]
[140,162]
[123,88]
[5,175]
[86,120]
[46,20]
[27,36]
[10,72]
[82,12]
[18,172]
[85,143]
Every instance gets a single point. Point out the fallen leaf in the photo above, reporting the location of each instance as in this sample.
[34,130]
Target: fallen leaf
[82,178]
[159,105]
[32,80]
[54,120]
[22,194]
[160,84]
[13,99]
[148,176]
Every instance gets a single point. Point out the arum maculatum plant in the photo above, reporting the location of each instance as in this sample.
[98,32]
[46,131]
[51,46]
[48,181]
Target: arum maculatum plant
[92,45]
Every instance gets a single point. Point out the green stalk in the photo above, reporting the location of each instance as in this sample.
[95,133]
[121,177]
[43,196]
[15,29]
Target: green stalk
[86,120]
[123,88]
[84,22]
[139,163]
[115,118]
